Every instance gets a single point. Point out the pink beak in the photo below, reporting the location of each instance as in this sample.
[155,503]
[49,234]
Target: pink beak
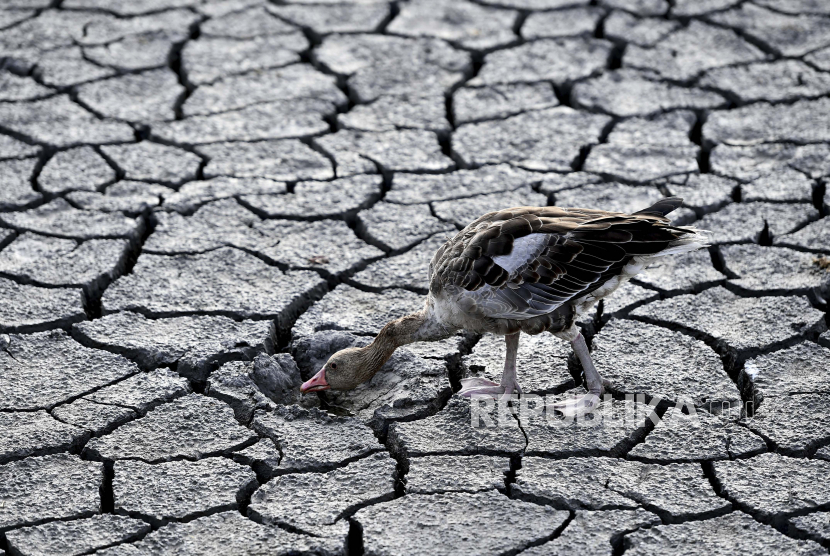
[317,383]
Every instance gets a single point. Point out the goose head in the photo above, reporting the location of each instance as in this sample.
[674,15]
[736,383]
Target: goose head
[347,369]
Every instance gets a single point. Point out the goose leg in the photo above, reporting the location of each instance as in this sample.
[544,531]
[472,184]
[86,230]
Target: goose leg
[594,382]
[509,383]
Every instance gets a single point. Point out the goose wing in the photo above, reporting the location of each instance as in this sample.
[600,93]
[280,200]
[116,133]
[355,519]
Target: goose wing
[527,261]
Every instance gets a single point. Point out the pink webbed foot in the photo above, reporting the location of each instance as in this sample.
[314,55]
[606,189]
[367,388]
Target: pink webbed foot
[483,387]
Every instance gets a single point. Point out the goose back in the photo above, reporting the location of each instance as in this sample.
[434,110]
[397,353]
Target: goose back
[538,263]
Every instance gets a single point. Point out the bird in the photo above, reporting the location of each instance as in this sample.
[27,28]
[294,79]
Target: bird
[523,269]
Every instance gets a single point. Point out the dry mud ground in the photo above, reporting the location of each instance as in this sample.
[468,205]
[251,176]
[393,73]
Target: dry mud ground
[201,200]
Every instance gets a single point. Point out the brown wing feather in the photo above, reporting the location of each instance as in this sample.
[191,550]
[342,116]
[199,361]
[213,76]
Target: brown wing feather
[585,248]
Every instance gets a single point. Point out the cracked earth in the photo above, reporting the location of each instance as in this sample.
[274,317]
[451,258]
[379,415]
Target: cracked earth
[201,200]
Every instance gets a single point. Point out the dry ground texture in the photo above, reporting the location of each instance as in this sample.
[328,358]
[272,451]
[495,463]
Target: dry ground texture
[201,200]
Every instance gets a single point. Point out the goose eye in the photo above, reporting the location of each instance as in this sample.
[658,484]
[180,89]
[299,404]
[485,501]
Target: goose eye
[334,365]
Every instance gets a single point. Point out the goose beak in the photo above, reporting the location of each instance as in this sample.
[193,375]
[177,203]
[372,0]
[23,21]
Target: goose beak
[317,383]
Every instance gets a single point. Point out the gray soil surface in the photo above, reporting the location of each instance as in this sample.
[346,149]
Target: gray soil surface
[202,200]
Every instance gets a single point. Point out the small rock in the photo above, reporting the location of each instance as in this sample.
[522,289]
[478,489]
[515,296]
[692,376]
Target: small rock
[233,383]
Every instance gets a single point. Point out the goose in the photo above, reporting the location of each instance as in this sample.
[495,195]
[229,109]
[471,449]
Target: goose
[522,269]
